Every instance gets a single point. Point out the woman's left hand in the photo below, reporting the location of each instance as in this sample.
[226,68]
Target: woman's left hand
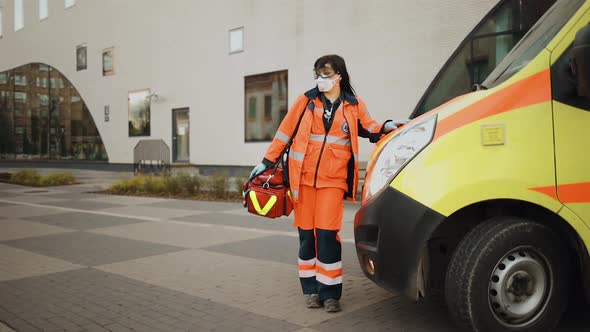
[393,125]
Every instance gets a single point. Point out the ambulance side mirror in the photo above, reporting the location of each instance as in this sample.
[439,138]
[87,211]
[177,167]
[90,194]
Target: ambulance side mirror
[580,61]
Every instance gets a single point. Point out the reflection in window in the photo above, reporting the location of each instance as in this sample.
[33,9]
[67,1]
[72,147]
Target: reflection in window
[44,122]
[252,109]
[267,108]
[20,97]
[20,80]
[269,92]
[483,50]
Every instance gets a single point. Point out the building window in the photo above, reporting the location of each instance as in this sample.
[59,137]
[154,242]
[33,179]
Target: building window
[69,3]
[270,89]
[43,9]
[236,40]
[81,57]
[482,50]
[139,113]
[1,11]
[19,15]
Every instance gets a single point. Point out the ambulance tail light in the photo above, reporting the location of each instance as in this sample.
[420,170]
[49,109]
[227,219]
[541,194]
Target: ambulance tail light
[397,153]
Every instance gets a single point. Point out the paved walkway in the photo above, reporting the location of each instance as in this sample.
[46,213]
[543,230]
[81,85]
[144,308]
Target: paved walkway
[76,261]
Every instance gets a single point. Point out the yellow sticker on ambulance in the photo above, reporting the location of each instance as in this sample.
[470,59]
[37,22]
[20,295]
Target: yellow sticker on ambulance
[493,134]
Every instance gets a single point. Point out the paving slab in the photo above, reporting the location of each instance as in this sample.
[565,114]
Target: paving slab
[83,205]
[263,287]
[16,264]
[12,229]
[82,221]
[24,210]
[184,235]
[185,204]
[35,199]
[284,250]
[90,249]
[247,221]
[125,200]
[5,328]
[149,211]
[84,298]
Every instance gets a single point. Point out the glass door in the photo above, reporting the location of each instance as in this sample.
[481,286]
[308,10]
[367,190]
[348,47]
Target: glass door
[180,135]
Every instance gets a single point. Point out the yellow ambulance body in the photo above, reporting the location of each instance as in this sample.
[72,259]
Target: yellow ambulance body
[486,199]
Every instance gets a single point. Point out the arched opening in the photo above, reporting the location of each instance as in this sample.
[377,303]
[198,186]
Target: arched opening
[43,117]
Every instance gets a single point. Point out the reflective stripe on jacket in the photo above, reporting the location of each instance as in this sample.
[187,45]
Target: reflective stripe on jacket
[339,158]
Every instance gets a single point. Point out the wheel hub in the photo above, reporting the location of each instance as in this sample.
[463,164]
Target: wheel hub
[519,287]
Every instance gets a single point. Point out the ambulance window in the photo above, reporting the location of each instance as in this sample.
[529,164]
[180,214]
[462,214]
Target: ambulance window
[535,41]
[483,49]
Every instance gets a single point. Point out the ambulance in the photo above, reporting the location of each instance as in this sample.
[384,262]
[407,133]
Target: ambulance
[485,200]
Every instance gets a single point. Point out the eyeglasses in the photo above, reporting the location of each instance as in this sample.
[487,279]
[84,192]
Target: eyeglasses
[324,72]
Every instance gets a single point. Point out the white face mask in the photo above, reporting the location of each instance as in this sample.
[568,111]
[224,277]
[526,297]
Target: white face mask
[324,84]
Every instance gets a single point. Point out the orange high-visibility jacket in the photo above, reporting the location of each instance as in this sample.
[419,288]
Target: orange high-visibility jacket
[333,155]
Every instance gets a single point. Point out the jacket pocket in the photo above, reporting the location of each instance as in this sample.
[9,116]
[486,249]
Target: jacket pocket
[338,168]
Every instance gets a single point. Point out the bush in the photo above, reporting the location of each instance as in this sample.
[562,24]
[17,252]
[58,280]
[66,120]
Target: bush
[29,177]
[182,184]
[154,185]
[238,182]
[217,185]
[189,184]
[58,179]
[172,184]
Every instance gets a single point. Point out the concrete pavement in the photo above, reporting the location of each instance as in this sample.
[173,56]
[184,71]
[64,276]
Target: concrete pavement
[77,261]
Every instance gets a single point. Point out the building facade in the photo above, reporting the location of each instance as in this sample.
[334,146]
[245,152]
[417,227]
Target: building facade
[87,80]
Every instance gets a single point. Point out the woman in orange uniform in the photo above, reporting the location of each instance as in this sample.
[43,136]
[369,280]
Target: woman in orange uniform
[323,171]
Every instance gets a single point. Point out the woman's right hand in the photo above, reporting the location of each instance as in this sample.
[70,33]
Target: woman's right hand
[257,170]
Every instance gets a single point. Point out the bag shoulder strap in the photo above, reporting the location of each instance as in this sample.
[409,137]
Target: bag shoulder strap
[286,149]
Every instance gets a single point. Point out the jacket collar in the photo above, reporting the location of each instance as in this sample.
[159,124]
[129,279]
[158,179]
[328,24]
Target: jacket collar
[347,97]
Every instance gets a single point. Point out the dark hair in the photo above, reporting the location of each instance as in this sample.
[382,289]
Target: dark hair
[339,66]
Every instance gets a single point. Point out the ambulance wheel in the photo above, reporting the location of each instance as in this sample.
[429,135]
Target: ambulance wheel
[508,274]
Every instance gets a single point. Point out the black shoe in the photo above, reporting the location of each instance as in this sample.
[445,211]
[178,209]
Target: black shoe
[332,305]
[312,300]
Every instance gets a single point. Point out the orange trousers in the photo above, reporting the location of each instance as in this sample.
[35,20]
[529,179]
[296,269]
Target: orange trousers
[318,216]
[319,208]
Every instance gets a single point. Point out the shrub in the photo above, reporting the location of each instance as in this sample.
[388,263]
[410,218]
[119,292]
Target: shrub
[154,185]
[58,179]
[217,185]
[189,184]
[172,184]
[238,182]
[28,177]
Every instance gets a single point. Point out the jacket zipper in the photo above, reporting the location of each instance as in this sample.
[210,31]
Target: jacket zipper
[351,150]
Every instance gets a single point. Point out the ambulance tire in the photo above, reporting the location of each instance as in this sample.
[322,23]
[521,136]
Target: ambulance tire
[507,246]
